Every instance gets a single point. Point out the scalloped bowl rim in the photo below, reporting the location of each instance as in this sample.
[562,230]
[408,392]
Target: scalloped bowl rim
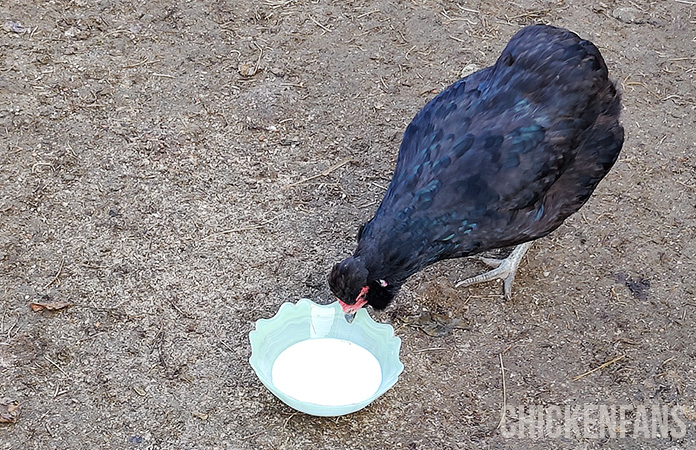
[316,316]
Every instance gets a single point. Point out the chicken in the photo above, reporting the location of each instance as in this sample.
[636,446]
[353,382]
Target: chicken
[498,159]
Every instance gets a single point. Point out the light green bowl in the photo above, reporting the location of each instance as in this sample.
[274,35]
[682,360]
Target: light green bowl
[307,320]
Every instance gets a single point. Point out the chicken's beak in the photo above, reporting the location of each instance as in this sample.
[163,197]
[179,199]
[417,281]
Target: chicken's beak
[349,311]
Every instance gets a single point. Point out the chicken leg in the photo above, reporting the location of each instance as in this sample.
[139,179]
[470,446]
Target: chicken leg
[504,269]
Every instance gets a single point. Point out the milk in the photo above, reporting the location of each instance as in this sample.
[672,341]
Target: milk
[327,371]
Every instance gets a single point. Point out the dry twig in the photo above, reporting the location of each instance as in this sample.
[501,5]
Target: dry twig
[323,27]
[247,228]
[502,374]
[322,174]
[606,364]
[56,365]
[60,269]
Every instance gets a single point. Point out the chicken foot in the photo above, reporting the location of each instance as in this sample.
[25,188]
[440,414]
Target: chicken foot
[504,269]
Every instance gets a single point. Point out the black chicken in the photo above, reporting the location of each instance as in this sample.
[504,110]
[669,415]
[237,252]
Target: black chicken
[499,158]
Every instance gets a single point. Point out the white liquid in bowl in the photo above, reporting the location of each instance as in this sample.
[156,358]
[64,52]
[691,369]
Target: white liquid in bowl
[327,371]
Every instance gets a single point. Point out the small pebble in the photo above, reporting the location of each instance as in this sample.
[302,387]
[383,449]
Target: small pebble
[628,14]
[247,69]
[469,69]
[15,27]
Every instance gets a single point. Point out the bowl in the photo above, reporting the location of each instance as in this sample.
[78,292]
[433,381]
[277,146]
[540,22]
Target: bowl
[305,321]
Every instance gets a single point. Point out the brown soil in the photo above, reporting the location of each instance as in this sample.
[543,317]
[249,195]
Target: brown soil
[179,171]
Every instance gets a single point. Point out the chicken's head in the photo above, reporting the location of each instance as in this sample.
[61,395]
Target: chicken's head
[350,282]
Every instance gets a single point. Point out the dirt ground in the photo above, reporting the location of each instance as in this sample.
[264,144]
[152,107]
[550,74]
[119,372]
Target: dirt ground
[179,171]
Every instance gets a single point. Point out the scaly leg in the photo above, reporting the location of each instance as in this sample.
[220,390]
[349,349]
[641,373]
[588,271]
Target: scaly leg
[504,270]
